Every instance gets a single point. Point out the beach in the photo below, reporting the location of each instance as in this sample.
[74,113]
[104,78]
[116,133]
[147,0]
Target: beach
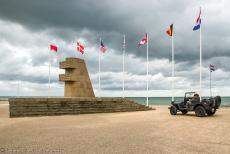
[154,131]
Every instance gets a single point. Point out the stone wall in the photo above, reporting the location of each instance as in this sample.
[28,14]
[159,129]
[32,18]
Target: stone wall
[26,107]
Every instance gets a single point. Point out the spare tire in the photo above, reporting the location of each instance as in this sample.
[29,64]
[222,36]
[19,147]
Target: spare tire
[218,99]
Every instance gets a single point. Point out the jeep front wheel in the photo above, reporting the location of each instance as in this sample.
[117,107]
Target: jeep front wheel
[173,110]
[200,111]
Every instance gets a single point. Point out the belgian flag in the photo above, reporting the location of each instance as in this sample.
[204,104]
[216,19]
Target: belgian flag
[170,30]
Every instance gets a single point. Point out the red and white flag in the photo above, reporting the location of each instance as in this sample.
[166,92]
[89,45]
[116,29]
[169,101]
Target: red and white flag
[53,48]
[102,47]
[80,48]
[144,40]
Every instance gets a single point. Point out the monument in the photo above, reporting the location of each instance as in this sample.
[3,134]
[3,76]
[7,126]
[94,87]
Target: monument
[76,78]
[78,97]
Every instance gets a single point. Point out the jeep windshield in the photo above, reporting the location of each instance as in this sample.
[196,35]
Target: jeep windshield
[189,94]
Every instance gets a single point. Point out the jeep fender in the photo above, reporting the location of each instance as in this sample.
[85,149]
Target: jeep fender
[198,105]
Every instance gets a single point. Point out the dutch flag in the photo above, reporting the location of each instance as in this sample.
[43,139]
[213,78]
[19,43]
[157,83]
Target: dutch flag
[198,22]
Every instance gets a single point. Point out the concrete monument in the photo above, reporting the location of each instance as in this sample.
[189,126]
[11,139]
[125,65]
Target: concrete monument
[76,78]
[79,97]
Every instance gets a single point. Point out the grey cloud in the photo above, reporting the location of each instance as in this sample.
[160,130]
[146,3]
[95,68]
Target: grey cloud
[66,21]
[109,19]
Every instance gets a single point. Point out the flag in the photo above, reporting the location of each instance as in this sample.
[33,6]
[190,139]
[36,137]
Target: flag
[53,48]
[144,40]
[212,68]
[102,47]
[170,30]
[198,22]
[80,48]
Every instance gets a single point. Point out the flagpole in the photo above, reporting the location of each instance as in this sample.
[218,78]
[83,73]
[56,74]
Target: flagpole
[147,50]
[49,76]
[124,67]
[18,88]
[200,62]
[99,70]
[210,83]
[173,67]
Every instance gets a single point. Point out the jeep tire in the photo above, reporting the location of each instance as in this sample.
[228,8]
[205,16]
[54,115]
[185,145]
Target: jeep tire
[173,110]
[200,111]
[210,112]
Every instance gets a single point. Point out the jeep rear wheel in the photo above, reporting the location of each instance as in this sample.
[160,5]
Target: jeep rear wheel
[173,110]
[200,111]
[211,112]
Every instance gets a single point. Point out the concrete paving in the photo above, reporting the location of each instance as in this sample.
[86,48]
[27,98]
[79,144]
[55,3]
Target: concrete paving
[154,131]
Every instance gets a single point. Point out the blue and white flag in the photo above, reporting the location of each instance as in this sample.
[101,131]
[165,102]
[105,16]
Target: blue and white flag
[198,22]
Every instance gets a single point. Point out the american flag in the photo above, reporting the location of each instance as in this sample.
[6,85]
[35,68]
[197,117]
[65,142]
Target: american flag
[102,47]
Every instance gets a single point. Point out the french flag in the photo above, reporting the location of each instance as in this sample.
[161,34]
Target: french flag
[198,22]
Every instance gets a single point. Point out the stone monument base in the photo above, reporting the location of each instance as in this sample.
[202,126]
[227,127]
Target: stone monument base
[27,107]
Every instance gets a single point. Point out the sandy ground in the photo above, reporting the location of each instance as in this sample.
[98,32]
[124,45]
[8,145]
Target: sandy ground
[130,132]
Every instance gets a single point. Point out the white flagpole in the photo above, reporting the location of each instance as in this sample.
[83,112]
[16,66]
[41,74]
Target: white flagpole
[210,83]
[49,75]
[18,88]
[172,67]
[99,70]
[147,50]
[124,67]
[200,62]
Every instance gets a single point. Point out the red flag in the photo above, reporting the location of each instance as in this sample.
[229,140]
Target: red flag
[144,40]
[80,48]
[53,48]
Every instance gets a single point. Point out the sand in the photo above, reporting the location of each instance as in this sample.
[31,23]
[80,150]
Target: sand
[141,132]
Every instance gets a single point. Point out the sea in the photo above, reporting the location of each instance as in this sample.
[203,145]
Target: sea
[225,101]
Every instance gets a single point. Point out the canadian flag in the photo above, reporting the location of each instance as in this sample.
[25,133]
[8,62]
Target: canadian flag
[53,48]
[144,40]
[80,48]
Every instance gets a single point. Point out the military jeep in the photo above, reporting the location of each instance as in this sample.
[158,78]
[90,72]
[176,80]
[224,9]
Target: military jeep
[192,102]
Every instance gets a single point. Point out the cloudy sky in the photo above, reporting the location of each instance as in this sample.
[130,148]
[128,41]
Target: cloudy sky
[27,27]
